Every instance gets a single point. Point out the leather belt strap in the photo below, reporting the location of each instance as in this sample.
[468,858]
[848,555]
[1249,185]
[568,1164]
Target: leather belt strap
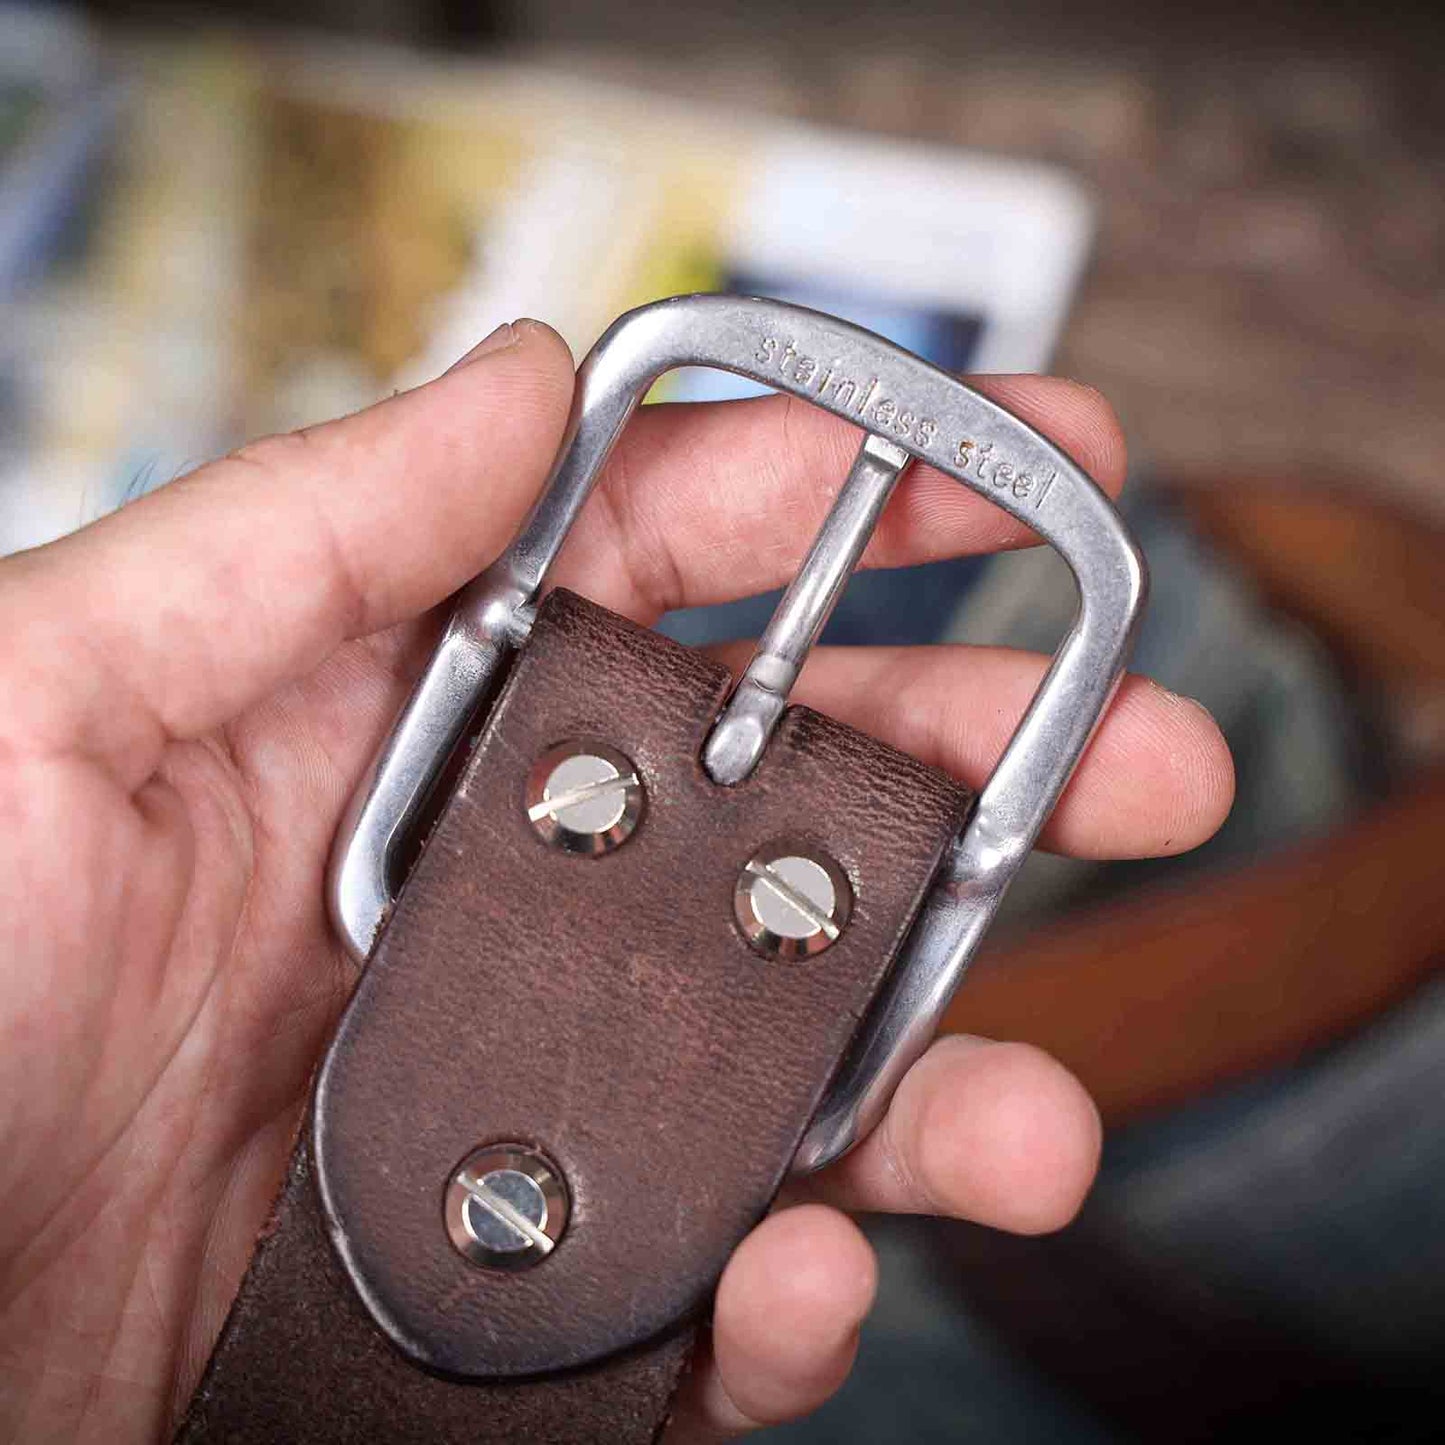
[605,1010]
[300,1360]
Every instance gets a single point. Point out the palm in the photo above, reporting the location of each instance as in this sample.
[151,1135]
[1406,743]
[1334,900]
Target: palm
[183,977]
[170,794]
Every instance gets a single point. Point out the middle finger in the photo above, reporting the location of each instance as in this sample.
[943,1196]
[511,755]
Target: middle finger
[703,503]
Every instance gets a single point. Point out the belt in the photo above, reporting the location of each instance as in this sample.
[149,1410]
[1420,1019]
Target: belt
[665,940]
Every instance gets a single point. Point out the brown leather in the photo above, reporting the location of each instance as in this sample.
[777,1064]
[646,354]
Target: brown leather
[301,1361]
[1154,999]
[604,1009]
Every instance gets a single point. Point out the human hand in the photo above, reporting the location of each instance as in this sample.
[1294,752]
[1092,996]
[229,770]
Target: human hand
[192,688]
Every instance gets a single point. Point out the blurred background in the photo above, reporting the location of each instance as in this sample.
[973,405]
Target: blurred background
[216,222]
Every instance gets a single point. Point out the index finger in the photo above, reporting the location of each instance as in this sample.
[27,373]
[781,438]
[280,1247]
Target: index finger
[704,502]
[169,617]
[173,615]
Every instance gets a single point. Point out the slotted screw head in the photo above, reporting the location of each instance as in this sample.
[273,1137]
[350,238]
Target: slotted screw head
[506,1207]
[584,797]
[791,901]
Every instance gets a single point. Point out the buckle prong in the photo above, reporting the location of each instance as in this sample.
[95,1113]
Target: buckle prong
[743,728]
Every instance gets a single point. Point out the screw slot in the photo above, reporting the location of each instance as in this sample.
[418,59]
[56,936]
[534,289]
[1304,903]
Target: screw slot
[505,1207]
[791,902]
[584,797]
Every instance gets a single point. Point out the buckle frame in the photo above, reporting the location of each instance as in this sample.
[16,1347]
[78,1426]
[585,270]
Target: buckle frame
[908,409]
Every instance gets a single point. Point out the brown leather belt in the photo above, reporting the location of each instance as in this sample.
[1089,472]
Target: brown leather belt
[606,1011]
[655,922]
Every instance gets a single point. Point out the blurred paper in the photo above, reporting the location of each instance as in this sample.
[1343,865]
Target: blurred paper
[286,232]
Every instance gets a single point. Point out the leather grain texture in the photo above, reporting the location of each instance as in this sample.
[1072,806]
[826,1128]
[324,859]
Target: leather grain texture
[300,1361]
[606,1010]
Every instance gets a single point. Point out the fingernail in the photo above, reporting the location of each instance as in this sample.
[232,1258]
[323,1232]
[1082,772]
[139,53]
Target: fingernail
[957,1045]
[1181,702]
[504,336]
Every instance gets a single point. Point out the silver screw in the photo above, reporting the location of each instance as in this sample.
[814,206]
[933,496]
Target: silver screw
[505,1207]
[584,797]
[791,902]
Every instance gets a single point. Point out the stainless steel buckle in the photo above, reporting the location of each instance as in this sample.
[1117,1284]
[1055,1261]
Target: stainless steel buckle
[908,409]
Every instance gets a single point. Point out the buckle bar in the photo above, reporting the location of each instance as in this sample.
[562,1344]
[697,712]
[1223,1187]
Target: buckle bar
[746,722]
[910,409]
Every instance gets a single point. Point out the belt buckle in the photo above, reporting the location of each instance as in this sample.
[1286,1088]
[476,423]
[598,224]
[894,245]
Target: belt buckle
[908,409]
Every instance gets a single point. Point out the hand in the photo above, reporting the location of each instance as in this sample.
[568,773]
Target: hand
[192,687]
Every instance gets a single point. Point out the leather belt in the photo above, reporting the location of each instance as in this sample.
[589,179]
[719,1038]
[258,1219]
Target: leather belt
[664,941]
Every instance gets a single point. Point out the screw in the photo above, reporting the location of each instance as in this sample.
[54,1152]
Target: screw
[791,902]
[584,797]
[505,1207]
